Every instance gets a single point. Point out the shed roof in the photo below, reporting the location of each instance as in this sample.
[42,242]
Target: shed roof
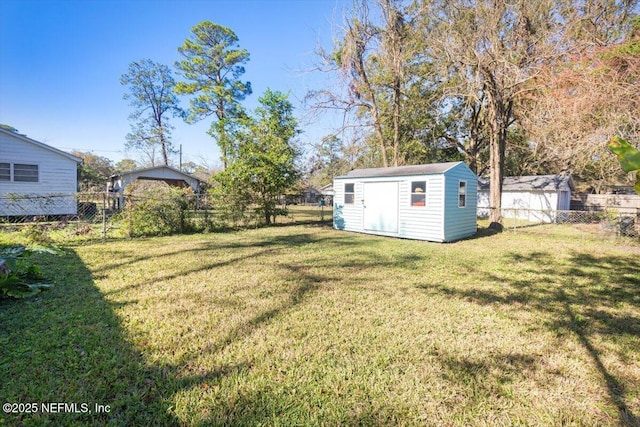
[28,140]
[430,169]
[561,182]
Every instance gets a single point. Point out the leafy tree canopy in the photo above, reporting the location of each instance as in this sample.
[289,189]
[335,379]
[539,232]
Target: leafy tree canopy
[265,166]
[94,171]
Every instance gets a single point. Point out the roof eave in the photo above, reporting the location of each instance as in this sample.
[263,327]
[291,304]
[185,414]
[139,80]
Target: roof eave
[42,145]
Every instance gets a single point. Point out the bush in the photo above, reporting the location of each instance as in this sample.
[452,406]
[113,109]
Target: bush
[161,212]
[36,234]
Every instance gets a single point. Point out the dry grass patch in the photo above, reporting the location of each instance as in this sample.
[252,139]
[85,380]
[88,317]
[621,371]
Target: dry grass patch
[304,325]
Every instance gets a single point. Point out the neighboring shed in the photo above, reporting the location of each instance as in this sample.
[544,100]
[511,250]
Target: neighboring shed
[535,198]
[36,179]
[327,190]
[117,183]
[327,194]
[435,202]
[310,195]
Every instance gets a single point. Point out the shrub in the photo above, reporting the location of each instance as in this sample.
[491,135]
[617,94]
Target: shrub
[160,212]
[36,234]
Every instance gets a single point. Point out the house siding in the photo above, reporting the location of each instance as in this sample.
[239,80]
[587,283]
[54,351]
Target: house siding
[537,206]
[53,194]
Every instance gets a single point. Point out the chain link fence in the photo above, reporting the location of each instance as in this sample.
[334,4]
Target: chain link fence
[612,221]
[107,215]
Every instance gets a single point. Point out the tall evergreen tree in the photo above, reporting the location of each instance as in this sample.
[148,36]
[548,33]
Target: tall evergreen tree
[212,65]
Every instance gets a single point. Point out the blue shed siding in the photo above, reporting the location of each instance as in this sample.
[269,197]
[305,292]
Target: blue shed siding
[440,220]
[422,222]
[460,222]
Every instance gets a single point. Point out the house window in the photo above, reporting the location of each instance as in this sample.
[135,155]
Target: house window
[5,171]
[25,173]
[349,194]
[462,194]
[418,193]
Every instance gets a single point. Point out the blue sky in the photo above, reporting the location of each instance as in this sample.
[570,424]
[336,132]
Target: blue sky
[61,61]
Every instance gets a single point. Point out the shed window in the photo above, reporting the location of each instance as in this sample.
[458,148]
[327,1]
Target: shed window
[5,171]
[462,194]
[418,193]
[25,173]
[349,194]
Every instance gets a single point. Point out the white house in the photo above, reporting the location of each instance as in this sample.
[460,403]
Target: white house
[435,202]
[534,198]
[36,179]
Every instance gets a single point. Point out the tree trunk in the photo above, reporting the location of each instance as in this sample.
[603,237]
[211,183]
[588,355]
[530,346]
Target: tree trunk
[498,115]
[394,37]
[163,147]
[496,163]
[373,107]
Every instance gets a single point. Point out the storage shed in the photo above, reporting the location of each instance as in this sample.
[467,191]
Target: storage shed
[435,202]
[536,198]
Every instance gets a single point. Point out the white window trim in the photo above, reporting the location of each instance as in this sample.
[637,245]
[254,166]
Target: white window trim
[411,194]
[12,173]
[466,193]
[353,201]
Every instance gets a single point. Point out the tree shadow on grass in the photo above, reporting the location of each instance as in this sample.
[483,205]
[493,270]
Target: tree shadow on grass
[120,258]
[578,295]
[68,346]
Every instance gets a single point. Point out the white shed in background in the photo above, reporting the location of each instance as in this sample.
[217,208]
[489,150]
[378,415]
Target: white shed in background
[535,198]
[435,202]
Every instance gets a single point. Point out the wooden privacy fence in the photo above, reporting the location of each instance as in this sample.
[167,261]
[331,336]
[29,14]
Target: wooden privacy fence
[624,204]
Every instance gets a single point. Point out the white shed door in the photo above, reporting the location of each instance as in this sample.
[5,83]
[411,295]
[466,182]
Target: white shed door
[381,206]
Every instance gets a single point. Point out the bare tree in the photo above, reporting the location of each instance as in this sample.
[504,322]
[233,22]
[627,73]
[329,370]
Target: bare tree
[151,94]
[491,52]
[373,56]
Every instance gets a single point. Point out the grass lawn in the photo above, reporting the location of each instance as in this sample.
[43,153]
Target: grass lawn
[304,325]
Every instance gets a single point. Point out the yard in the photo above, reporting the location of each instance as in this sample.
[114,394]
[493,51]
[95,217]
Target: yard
[304,325]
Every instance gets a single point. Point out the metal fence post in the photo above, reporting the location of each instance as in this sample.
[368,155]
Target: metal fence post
[104,216]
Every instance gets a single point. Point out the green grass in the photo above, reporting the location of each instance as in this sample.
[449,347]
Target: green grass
[304,325]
